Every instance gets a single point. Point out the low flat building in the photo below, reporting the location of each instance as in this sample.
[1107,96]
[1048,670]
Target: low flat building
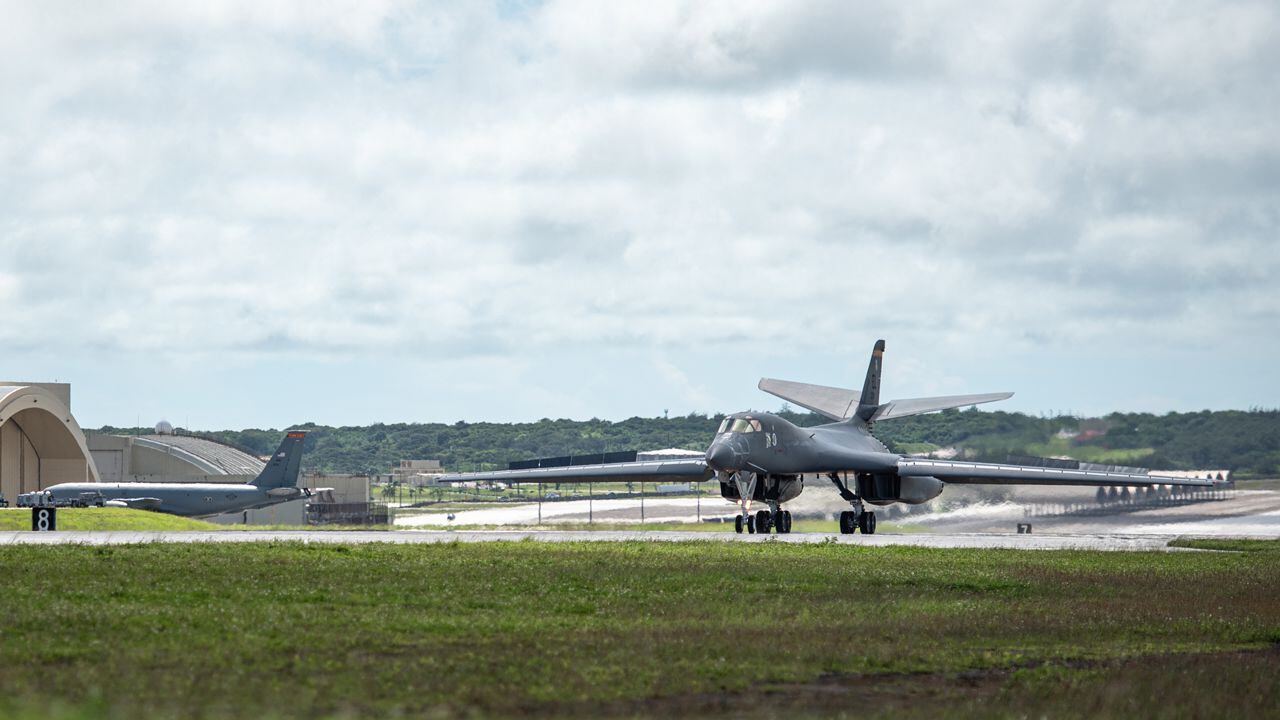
[346,488]
[418,472]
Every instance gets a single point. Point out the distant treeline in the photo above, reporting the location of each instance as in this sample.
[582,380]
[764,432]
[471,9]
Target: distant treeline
[1247,442]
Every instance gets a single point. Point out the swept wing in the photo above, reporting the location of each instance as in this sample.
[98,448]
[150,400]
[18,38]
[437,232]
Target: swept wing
[971,473]
[647,471]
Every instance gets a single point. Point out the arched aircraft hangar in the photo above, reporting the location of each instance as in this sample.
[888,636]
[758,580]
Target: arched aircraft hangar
[41,444]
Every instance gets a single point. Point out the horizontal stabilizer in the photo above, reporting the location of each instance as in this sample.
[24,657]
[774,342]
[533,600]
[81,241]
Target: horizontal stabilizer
[841,403]
[280,492]
[831,402]
[919,406]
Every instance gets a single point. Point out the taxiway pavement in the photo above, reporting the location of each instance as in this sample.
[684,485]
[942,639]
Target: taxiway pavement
[1084,541]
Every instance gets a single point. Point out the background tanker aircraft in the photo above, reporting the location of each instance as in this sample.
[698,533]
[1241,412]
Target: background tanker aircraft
[762,458]
[277,483]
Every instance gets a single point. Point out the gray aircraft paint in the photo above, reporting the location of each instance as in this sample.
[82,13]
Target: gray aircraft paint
[277,483]
[763,458]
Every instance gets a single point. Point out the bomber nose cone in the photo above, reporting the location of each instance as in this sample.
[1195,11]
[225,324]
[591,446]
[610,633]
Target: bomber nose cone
[722,457]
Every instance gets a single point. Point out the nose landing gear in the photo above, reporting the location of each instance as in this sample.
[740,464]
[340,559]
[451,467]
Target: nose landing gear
[762,521]
[746,488]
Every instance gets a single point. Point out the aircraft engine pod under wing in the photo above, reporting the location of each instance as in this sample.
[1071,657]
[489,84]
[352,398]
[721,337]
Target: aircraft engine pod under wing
[647,471]
[141,503]
[760,457]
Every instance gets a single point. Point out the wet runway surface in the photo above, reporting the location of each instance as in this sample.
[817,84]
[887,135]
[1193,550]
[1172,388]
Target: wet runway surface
[1084,541]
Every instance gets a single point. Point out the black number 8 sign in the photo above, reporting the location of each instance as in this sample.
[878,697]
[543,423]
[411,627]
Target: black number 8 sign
[44,519]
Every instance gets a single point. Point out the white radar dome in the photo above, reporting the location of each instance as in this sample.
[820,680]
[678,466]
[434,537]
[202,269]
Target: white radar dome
[164,427]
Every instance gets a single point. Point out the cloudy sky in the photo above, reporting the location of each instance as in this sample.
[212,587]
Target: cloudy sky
[234,214]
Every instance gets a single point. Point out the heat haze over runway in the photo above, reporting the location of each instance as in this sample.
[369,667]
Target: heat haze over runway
[1109,542]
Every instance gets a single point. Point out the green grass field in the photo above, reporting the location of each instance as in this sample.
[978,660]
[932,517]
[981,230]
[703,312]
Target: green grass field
[105,519]
[635,629]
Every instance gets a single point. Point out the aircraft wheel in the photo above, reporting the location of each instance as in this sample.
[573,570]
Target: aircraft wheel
[751,523]
[848,522]
[763,522]
[784,522]
[867,523]
[738,524]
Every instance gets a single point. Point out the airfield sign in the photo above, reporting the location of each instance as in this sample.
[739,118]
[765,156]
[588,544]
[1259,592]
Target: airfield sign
[44,519]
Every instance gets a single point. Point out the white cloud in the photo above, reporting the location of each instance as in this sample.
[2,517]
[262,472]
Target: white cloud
[284,179]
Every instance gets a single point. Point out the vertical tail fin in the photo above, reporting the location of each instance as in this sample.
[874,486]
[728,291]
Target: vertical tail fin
[282,469]
[870,398]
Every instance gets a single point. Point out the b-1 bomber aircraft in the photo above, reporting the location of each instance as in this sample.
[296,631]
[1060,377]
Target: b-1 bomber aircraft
[277,483]
[762,458]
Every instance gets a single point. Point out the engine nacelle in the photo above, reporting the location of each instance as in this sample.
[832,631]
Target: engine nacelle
[920,489]
[885,489]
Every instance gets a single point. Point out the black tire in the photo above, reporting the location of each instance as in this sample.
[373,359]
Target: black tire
[786,517]
[738,524]
[848,522]
[867,523]
[751,524]
[764,521]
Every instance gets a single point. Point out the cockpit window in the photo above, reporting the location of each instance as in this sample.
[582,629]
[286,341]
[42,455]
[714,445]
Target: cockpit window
[740,425]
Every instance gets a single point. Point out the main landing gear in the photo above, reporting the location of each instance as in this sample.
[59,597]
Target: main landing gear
[763,521]
[851,522]
[859,518]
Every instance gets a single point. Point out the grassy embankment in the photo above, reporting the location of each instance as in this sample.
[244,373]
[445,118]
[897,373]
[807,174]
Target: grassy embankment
[106,519]
[124,519]
[291,630]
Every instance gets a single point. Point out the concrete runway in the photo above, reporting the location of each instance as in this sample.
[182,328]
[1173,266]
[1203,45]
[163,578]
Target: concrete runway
[1084,541]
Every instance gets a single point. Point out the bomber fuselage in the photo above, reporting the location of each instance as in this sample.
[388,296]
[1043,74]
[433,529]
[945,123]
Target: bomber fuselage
[780,453]
[765,443]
